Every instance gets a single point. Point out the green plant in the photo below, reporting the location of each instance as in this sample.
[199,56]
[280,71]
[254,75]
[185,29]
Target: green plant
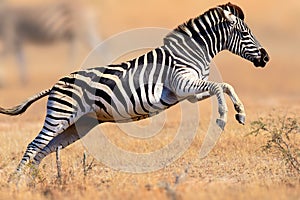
[283,137]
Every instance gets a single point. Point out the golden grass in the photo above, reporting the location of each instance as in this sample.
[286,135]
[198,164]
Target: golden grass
[235,169]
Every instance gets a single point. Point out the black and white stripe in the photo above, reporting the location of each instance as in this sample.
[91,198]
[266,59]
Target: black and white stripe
[147,85]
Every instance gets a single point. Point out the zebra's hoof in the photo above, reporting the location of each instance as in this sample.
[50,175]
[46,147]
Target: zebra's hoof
[241,118]
[221,123]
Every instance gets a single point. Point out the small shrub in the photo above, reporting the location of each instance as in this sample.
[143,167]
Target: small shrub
[282,134]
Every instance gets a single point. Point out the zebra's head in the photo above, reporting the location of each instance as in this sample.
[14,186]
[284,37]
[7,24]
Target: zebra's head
[240,39]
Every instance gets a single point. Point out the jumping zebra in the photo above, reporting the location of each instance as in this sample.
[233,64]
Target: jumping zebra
[147,85]
[45,24]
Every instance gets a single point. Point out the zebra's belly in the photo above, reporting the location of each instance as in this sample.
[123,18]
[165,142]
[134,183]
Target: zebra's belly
[112,114]
[136,108]
[122,104]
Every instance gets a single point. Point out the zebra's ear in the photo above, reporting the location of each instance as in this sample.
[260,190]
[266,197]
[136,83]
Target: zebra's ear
[227,15]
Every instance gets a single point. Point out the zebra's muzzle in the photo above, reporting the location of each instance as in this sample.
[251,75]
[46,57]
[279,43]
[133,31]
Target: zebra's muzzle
[263,59]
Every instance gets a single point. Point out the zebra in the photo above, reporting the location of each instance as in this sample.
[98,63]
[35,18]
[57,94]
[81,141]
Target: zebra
[45,24]
[147,85]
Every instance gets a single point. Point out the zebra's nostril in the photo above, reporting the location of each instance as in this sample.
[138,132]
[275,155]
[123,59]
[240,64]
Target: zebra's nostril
[264,55]
[266,58]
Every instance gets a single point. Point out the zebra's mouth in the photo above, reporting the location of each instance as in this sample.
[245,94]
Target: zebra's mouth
[263,59]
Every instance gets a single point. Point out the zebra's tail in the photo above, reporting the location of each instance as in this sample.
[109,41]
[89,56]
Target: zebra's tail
[19,109]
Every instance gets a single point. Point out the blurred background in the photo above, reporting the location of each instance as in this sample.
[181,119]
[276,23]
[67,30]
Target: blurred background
[275,24]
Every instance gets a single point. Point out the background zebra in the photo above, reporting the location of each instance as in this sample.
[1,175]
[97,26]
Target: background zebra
[147,85]
[43,24]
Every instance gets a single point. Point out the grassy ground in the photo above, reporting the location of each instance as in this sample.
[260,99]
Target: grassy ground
[236,168]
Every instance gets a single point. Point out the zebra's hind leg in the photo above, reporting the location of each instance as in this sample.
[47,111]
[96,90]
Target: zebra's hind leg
[67,137]
[32,149]
[52,127]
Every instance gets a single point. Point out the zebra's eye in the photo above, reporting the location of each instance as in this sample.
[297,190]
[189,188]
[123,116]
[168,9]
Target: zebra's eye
[244,33]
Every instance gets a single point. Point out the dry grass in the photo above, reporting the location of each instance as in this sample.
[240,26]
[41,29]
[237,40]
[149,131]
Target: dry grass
[235,169]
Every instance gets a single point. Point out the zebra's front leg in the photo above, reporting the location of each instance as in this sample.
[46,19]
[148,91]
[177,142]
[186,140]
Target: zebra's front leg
[191,87]
[216,89]
[199,97]
[228,89]
[238,105]
[222,106]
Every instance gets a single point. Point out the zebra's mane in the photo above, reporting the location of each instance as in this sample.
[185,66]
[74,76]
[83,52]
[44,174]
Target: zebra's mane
[234,9]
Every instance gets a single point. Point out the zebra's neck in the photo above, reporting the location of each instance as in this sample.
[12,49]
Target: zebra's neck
[199,39]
